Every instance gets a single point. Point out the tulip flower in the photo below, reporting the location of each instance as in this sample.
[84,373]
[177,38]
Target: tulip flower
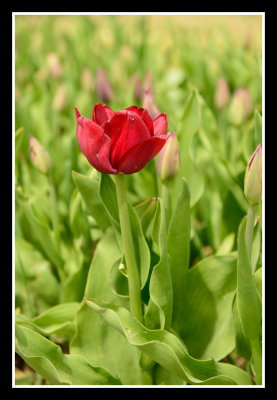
[123,141]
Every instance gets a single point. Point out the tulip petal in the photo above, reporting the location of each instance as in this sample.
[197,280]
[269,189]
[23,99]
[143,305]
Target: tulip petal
[94,144]
[102,114]
[139,155]
[160,125]
[133,132]
[143,113]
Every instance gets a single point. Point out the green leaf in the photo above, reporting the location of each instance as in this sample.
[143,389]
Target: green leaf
[57,320]
[247,302]
[167,350]
[227,245]
[39,233]
[141,246]
[258,128]
[188,168]
[243,347]
[206,328]
[256,246]
[18,139]
[159,309]
[178,242]
[88,189]
[258,276]
[77,218]
[48,360]
[94,339]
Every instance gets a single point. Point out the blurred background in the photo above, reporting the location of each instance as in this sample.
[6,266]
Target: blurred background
[203,71]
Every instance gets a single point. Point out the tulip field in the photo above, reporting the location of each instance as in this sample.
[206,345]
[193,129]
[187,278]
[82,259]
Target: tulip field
[138,200]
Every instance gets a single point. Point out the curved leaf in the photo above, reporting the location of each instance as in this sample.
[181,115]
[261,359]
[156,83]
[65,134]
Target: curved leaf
[167,350]
[49,361]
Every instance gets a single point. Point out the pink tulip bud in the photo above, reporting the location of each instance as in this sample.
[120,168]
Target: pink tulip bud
[253,177]
[222,94]
[149,104]
[103,88]
[137,88]
[240,106]
[54,65]
[168,161]
[148,81]
[39,156]
[87,79]
[59,102]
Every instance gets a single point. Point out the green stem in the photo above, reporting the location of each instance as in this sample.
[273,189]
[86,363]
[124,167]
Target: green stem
[250,227]
[26,286]
[54,208]
[166,202]
[257,359]
[129,250]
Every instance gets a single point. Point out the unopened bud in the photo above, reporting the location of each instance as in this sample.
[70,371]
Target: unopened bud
[103,88]
[59,102]
[222,94]
[39,156]
[149,104]
[168,161]
[240,106]
[253,177]
[148,81]
[54,65]
[87,81]
[137,88]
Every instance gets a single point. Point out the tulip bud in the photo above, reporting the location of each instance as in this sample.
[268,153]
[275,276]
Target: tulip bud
[253,177]
[137,88]
[168,161]
[59,102]
[240,106]
[147,81]
[222,94]
[54,65]
[39,156]
[103,88]
[149,104]
[87,81]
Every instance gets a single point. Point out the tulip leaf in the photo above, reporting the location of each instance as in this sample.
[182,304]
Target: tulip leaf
[18,140]
[256,246]
[77,218]
[247,301]
[206,328]
[258,128]
[57,320]
[258,276]
[227,245]
[167,350]
[159,309]
[243,347]
[88,189]
[94,339]
[39,233]
[189,125]
[178,242]
[48,360]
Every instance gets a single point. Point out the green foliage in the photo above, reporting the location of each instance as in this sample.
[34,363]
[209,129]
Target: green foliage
[201,292]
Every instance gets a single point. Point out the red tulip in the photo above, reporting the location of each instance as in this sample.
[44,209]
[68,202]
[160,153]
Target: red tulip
[123,141]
